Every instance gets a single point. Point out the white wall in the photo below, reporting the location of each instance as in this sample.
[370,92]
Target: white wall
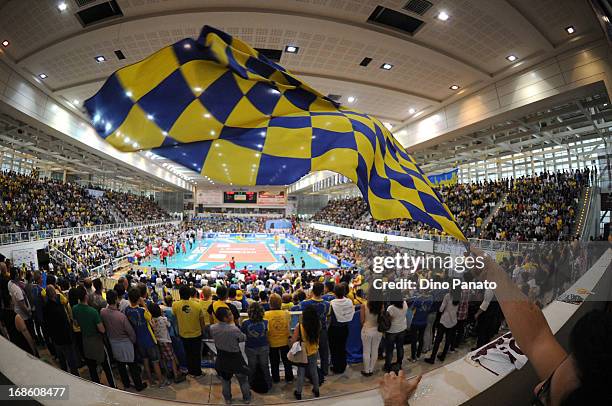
[555,76]
[21,99]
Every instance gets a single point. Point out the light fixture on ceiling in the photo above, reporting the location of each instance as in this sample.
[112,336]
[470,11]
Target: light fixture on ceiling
[388,125]
[5,43]
[570,29]
[411,111]
[62,6]
[386,66]
[454,87]
[100,58]
[76,102]
[292,49]
[351,99]
[42,75]
[512,58]
[442,16]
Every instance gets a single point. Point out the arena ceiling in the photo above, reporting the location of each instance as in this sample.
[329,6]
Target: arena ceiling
[468,49]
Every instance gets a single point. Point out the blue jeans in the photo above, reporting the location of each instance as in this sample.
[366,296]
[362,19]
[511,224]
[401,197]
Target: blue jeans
[394,340]
[312,371]
[243,380]
[324,351]
[259,356]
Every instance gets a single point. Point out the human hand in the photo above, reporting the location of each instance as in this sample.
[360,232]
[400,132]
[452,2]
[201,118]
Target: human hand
[396,389]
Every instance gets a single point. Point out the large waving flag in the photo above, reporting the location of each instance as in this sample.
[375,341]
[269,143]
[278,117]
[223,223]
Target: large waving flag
[217,106]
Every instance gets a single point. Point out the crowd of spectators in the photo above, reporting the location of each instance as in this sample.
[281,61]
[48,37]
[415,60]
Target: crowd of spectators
[135,208]
[89,251]
[155,320]
[30,203]
[342,212]
[229,224]
[537,208]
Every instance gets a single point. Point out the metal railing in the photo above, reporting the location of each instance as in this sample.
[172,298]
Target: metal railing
[38,235]
[492,245]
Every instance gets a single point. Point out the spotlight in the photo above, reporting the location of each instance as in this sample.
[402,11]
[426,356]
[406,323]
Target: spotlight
[292,49]
[5,43]
[386,66]
[442,16]
[511,58]
[62,6]
[100,58]
[455,87]
[570,29]
[42,75]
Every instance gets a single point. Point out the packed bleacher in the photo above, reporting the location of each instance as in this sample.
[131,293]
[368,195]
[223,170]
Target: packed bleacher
[536,208]
[93,250]
[226,224]
[135,208]
[541,208]
[30,203]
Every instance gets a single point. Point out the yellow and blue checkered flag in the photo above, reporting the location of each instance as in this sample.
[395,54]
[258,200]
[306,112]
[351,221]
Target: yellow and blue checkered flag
[217,106]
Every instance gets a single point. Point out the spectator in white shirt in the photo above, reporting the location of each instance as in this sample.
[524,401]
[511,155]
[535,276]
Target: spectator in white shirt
[447,327]
[394,337]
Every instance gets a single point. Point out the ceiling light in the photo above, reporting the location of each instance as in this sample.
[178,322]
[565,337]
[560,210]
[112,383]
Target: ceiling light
[454,87]
[187,45]
[388,125]
[100,58]
[351,99]
[62,6]
[292,49]
[5,43]
[570,29]
[386,66]
[411,111]
[511,58]
[442,16]
[128,93]
[76,102]
[42,75]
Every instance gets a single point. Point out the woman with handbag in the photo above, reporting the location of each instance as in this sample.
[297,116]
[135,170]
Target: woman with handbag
[306,337]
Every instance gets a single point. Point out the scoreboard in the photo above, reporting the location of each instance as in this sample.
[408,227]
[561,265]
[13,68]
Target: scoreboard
[240,197]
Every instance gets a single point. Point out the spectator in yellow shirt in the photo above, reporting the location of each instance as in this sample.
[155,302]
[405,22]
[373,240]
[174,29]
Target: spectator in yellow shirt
[278,336]
[206,301]
[190,319]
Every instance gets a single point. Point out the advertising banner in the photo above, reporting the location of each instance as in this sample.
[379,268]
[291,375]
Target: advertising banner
[209,197]
[269,198]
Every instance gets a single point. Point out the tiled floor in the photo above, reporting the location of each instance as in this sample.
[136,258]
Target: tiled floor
[207,388]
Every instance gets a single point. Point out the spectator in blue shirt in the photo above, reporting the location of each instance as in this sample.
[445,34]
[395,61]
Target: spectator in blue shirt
[146,343]
[257,347]
[322,307]
[421,306]
[329,291]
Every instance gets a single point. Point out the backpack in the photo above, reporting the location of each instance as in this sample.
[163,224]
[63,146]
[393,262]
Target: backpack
[384,321]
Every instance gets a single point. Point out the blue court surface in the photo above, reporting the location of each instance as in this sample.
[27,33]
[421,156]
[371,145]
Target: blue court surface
[215,254]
